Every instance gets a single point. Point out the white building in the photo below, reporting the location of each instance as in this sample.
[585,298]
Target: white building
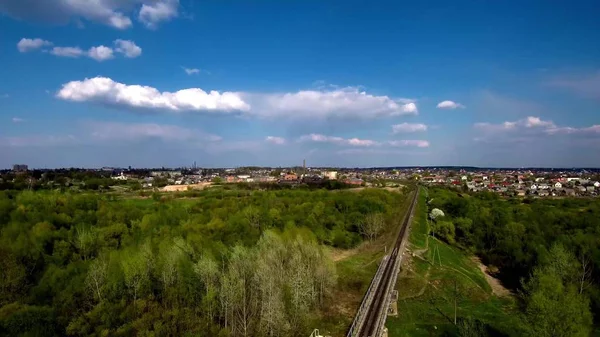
[597,184]
[558,185]
[331,175]
[120,177]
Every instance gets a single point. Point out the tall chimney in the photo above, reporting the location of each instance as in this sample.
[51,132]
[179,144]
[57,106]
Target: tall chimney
[303,167]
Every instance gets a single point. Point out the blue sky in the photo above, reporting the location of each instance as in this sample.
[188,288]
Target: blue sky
[338,83]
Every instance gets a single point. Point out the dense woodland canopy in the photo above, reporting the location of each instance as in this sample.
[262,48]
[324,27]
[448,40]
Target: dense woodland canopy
[224,263]
[546,250]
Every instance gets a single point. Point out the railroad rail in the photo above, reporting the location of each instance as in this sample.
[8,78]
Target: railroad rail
[371,316]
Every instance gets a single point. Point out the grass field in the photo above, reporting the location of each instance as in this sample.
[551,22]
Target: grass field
[435,277]
[355,269]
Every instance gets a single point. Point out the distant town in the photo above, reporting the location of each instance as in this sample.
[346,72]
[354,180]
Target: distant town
[536,182]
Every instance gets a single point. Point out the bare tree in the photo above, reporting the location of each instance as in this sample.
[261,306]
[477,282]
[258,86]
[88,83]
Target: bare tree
[84,239]
[270,277]
[372,226]
[208,271]
[136,269]
[96,277]
[585,276]
[241,291]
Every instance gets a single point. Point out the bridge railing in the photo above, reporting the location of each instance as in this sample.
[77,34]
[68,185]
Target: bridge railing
[367,299]
[397,263]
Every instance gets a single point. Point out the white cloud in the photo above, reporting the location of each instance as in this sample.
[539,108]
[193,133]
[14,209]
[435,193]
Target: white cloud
[100,53]
[408,127]
[409,108]
[152,14]
[318,138]
[409,143]
[127,48]
[114,13]
[534,122]
[344,102]
[275,140]
[449,105]
[530,122]
[17,120]
[308,105]
[27,45]
[140,131]
[531,127]
[191,71]
[73,52]
[105,90]
[378,151]
[594,129]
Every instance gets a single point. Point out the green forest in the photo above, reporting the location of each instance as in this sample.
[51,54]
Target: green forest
[547,251]
[221,263]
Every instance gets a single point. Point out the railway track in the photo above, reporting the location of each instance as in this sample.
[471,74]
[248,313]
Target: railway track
[376,311]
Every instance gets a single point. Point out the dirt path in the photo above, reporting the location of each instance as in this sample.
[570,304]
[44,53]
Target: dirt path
[341,254]
[497,288]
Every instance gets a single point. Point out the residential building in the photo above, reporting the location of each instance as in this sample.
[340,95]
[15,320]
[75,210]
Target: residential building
[120,177]
[20,168]
[331,175]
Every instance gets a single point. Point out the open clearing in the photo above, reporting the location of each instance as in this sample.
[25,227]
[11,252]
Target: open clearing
[497,288]
[355,268]
[435,276]
[175,188]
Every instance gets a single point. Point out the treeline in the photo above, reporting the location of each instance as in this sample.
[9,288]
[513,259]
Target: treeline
[63,180]
[227,263]
[546,250]
[307,185]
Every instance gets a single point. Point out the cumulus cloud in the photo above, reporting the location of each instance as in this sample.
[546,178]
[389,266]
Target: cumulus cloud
[534,122]
[152,14]
[140,131]
[378,151]
[191,71]
[449,105]
[408,127]
[72,52]
[308,105]
[127,48]
[275,140]
[106,91]
[27,45]
[532,127]
[100,53]
[341,102]
[530,122]
[409,143]
[591,130]
[108,12]
[318,138]
[356,142]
